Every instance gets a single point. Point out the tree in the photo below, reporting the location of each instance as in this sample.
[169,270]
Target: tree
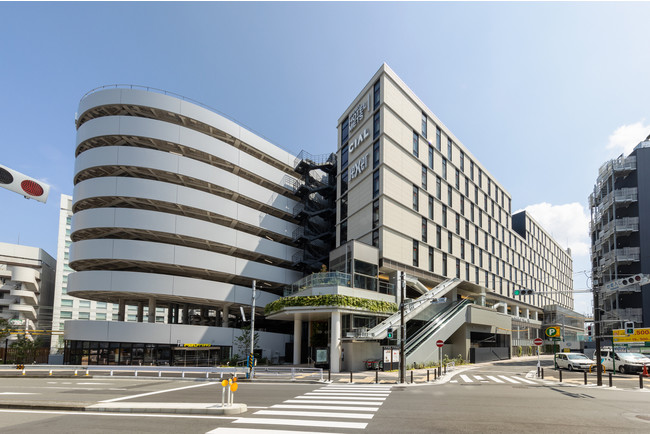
[25,349]
[243,342]
[4,328]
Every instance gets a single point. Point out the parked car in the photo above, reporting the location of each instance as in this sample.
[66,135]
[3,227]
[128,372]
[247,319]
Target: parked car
[624,362]
[572,361]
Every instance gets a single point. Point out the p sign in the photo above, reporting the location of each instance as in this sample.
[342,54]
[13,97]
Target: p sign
[553,332]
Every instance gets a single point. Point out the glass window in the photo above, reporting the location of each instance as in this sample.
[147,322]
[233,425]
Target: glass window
[444,168]
[431,207]
[101,305]
[462,161]
[416,195]
[375,154]
[66,303]
[84,303]
[449,196]
[424,229]
[66,314]
[430,157]
[438,187]
[416,144]
[84,315]
[462,205]
[375,184]
[375,238]
[344,207]
[480,178]
[450,242]
[471,170]
[100,316]
[424,177]
[458,268]
[344,232]
[462,249]
[344,157]
[345,131]
[431,259]
[438,140]
[457,179]
[344,181]
[424,125]
[416,246]
[438,236]
[466,187]
[444,264]
[376,95]
[457,224]
[450,145]
[375,126]
[444,216]
[375,214]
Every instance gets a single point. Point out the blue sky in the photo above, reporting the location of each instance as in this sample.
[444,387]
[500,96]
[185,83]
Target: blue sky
[541,93]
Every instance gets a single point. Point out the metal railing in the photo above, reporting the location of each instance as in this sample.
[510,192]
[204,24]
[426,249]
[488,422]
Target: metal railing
[330,278]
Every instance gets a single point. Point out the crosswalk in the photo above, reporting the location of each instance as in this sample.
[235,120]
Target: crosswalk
[496,379]
[329,407]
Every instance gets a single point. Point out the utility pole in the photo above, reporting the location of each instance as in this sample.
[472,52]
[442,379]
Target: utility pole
[599,366]
[402,329]
[252,354]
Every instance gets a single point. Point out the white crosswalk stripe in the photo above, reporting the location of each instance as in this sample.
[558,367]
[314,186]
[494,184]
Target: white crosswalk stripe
[495,379]
[499,379]
[329,407]
[466,379]
[512,380]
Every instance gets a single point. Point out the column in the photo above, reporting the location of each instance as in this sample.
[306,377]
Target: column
[527,313]
[120,310]
[225,312]
[186,314]
[297,340]
[335,342]
[140,311]
[151,316]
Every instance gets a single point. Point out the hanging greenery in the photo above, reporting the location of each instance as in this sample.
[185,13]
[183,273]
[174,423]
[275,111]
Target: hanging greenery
[331,300]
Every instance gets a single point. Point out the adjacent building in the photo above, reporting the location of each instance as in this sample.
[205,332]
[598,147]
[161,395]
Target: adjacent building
[26,290]
[620,238]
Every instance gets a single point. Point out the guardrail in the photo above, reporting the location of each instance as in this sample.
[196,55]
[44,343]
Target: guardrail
[272,372]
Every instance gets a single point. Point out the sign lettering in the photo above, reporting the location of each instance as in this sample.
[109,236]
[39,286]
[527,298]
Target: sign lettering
[357,114]
[357,141]
[359,166]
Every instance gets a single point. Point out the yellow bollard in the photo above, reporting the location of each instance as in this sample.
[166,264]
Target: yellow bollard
[23,371]
[50,372]
[224,383]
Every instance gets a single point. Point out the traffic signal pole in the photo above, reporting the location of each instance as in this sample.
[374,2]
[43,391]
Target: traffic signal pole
[402,329]
[599,365]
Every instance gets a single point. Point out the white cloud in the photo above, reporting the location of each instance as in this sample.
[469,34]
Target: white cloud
[626,137]
[568,224]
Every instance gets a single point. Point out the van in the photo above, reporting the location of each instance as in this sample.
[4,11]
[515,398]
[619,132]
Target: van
[625,363]
[572,361]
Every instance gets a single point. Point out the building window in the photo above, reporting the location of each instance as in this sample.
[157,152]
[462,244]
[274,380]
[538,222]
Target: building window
[480,178]
[444,264]
[424,177]
[449,148]
[430,157]
[450,242]
[375,126]
[458,268]
[457,224]
[471,170]
[467,271]
[375,154]
[438,236]
[438,144]
[375,184]
[84,304]
[449,196]
[462,249]
[375,214]
[466,187]
[438,187]
[467,230]
[84,315]
[344,181]
[66,303]
[431,259]
[431,207]
[462,161]
[100,316]
[416,246]
[444,168]
[457,179]
[416,144]
[66,314]
[424,125]
[424,229]
[375,238]
[416,198]
[344,232]
[376,95]
[444,216]
[471,250]
[462,205]
[345,131]
[344,207]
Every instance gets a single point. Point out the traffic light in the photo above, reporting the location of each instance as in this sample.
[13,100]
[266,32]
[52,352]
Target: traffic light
[629,328]
[524,291]
[23,184]
[631,280]
[389,333]
[589,330]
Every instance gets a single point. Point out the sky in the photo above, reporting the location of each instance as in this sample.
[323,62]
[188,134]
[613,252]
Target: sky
[541,94]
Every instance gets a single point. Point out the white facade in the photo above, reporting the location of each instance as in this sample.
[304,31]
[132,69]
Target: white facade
[176,207]
[26,288]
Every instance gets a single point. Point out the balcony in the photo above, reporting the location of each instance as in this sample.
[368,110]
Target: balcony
[621,256]
[623,226]
[622,197]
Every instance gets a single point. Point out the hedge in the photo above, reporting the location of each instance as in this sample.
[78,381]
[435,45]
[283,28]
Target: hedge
[331,300]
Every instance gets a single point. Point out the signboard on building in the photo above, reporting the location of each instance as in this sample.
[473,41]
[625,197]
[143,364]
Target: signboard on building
[640,335]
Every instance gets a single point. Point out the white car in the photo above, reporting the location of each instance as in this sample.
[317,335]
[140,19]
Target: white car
[572,361]
[624,362]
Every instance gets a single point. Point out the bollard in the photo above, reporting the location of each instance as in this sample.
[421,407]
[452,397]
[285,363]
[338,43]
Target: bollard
[640,381]
[445,369]
[610,379]
[411,377]
[75,372]
[329,375]
[207,375]
[135,373]
[293,374]
[159,373]
[560,371]
[542,373]
[24,371]
[435,375]
[50,372]
[440,371]
[183,374]
[427,375]
[538,368]
[87,373]
[376,377]
[224,383]
[111,373]
[350,376]
[585,377]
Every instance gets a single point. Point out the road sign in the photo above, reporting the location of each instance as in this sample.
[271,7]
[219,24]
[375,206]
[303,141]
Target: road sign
[439,343]
[538,341]
[552,332]
[639,335]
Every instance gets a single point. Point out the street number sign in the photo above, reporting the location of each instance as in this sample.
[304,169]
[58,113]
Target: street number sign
[439,343]
[538,341]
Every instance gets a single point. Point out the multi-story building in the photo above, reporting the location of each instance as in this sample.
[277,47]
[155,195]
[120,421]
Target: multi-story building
[620,238]
[67,307]
[26,289]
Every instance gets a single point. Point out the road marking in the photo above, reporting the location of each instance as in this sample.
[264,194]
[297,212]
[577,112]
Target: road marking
[254,431]
[495,379]
[323,407]
[106,413]
[297,422]
[478,377]
[466,378]
[314,414]
[525,380]
[346,394]
[342,397]
[19,393]
[157,392]
[323,401]
[512,380]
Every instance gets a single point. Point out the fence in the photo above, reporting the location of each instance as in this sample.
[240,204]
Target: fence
[14,355]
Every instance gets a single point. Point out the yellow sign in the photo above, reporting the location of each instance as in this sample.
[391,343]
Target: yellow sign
[640,335]
[196,345]
[553,332]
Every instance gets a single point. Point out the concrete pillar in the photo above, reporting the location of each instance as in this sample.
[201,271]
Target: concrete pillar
[536,316]
[335,342]
[516,310]
[225,312]
[186,314]
[297,340]
[140,311]
[527,313]
[151,313]
[120,310]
